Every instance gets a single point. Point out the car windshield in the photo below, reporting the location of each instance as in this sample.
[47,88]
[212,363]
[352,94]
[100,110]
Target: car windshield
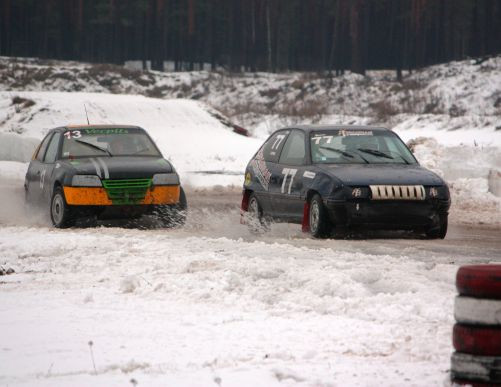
[107,142]
[363,146]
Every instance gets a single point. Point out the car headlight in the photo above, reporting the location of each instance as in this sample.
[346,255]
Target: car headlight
[166,179]
[86,181]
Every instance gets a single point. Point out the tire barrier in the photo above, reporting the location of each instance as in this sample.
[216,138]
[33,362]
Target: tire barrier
[482,281]
[476,335]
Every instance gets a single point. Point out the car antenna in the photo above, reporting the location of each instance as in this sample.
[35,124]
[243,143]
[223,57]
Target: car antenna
[86,115]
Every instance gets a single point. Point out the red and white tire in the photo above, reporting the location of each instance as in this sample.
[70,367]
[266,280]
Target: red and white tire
[477,340]
[468,310]
[483,370]
[483,281]
[469,383]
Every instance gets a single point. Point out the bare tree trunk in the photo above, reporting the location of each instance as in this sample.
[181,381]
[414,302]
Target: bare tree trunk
[268,30]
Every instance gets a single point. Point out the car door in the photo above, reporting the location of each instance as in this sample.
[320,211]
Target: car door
[47,167]
[266,171]
[288,202]
[33,181]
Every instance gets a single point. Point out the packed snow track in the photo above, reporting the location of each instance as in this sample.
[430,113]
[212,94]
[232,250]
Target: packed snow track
[211,304]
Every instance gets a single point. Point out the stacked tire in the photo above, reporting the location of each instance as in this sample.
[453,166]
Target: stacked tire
[477,332]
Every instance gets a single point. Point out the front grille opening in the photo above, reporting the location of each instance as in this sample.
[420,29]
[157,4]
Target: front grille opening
[397,192]
[127,191]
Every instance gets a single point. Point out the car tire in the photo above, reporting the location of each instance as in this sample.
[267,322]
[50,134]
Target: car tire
[477,339]
[174,215]
[476,369]
[61,214]
[439,231]
[320,225]
[481,281]
[255,219]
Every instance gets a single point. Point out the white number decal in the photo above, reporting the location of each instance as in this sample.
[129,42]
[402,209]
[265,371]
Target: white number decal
[42,178]
[288,172]
[317,139]
[278,140]
[73,134]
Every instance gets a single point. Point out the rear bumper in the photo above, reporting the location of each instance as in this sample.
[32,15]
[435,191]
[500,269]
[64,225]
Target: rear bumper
[388,214]
[97,196]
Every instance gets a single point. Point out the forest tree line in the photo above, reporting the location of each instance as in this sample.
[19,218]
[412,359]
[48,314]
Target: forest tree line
[254,35]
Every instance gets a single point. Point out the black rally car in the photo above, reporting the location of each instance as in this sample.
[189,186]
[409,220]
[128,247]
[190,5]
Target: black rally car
[332,178]
[108,171]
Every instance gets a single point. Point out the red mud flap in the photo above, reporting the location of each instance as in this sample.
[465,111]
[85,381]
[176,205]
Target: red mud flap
[244,206]
[483,281]
[305,225]
[477,340]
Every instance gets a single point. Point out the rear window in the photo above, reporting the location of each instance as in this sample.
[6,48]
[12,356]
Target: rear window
[89,142]
[271,149]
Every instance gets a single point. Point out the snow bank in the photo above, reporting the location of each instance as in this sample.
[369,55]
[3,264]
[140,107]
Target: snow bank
[15,147]
[187,134]
[469,173]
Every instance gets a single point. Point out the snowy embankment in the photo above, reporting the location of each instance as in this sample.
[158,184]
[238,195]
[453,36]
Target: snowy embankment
[165,310]
[185,131]
[208,153]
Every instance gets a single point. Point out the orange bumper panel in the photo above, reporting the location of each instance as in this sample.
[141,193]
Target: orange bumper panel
[97,196]
[86,196]
[162,195]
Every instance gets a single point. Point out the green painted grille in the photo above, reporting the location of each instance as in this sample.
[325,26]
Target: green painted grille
[129,191]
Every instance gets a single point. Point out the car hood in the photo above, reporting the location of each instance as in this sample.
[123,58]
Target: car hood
[373,174]
[120,167]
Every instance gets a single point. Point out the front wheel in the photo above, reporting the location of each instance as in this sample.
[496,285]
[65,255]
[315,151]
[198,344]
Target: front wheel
[439,231]
[174,215]
[320,225]
[60,213]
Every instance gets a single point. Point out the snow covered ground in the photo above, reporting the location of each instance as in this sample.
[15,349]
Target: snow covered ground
[163,309]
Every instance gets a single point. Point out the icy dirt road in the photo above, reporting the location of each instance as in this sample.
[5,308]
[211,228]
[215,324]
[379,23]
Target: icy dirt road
[212,305]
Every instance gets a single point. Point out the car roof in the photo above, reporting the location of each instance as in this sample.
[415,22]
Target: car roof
[309,128]
[86,126]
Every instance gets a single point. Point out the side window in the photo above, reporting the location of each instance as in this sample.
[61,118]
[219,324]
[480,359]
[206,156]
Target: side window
[294,152]
[272,148]
[43,147]
[51,154]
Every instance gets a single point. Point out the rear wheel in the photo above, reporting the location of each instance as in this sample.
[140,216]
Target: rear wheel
[320,225]
[174,215]
[255,220]
[60,213]
[438,231]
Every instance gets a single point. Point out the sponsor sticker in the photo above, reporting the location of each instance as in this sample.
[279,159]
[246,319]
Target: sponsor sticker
[309,174]
[355,133]
[248,178]
[260,170]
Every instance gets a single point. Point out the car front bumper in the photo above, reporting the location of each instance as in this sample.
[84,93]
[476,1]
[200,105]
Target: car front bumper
[388,214]
[98,196]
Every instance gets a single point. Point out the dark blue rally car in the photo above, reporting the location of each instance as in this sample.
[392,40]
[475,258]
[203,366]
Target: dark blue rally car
[334,178]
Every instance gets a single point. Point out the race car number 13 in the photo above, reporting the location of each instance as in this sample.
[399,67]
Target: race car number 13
[73,134]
